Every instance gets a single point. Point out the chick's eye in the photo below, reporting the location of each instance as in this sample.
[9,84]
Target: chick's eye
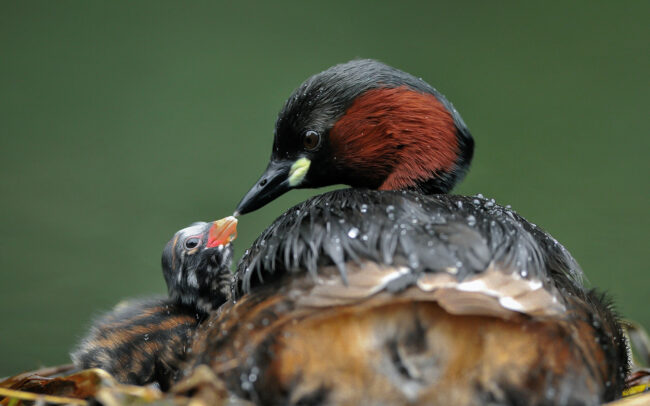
[311,140]
[192,243]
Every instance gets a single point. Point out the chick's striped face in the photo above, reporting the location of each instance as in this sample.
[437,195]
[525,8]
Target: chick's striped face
[187,242]
[196,262]
[181,258]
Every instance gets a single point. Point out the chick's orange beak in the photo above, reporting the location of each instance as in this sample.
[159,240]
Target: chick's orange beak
[222,232]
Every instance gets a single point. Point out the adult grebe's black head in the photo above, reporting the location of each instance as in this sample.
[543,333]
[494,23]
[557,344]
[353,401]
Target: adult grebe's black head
[364,124]
[196,263]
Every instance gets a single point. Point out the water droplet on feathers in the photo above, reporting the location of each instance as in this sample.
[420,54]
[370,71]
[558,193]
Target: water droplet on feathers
[390,211]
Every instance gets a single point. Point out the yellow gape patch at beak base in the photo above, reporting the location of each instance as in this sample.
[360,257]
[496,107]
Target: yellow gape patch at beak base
[298,171]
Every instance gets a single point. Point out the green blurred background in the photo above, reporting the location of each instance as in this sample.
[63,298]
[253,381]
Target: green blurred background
[122,122]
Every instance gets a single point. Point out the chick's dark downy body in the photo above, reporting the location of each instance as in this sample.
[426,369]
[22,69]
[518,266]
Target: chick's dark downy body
[144,341]
[399,295]
[140,341]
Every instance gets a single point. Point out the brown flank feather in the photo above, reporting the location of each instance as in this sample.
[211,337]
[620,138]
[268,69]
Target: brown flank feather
[302,343]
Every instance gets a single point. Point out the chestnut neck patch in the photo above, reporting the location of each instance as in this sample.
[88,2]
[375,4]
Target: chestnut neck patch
[395,139]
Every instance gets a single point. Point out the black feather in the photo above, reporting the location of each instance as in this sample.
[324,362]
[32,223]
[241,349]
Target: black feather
[425,233]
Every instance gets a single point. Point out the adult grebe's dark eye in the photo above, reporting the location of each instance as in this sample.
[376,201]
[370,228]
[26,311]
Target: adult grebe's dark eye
[192,242]
[311,140]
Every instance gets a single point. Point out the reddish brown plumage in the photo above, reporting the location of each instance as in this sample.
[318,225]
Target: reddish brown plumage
[400,348]
[396,134]
[347,356]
